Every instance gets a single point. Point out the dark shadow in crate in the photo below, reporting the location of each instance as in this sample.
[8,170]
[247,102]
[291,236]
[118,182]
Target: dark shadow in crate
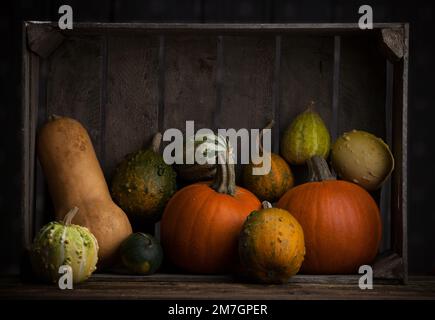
[124,82]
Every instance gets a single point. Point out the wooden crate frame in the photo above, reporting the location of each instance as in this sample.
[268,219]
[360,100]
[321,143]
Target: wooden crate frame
[41,41]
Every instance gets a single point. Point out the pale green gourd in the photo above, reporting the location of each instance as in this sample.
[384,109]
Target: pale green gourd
[307,136]
[63,243]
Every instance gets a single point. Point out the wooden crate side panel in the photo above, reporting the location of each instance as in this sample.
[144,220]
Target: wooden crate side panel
[74,84]
[131,112]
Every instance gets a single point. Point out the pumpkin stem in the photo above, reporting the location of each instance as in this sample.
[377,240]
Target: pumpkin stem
[318,169]
[269,125]
[69,216]
[231,183]
[157,140]
[219,183]
[225,178]
[266,205]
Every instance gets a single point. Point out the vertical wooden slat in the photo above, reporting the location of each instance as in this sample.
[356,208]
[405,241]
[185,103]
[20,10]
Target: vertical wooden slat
[247,86]
[42,208]
[400,141]
[161,83]
[133,101]
[276,96]
[219,82]
[190,81]
[385,200]
[336,88]
[104,96]
[306,75]
[74,84]
[26,132]
[362,86]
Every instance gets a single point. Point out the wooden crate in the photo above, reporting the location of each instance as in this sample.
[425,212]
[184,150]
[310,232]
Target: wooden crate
[126,81]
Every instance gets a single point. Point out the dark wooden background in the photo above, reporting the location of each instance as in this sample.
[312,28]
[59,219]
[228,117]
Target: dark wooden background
[420,14]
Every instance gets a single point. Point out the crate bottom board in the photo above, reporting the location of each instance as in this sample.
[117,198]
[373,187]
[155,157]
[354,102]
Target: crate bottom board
[172,286]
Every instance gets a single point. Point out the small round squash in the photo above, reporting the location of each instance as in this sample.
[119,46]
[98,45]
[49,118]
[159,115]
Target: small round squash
[362,158]
[141,253]
[63,243]
[143,183]
[276,182]
[271,245]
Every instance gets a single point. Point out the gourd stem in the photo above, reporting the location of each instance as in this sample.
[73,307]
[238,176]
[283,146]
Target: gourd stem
[221,175]
[53,117]
[157,140]
[318,169]
[225,178]
[311,106]
[231,183]
[260,135]
[222,187]
[266,205]
[69,216]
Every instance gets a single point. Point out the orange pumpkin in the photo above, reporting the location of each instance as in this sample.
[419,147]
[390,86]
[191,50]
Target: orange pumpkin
[341,222]
[271,245]
[270,186]
[201,223]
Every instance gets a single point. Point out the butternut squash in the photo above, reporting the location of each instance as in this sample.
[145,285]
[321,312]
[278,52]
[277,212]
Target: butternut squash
[75,179]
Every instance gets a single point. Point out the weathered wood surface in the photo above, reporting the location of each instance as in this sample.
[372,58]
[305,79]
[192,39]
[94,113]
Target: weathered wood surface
[74,84]
[199,287]
[43,40]
[131,111]
[189,81]
[140,27]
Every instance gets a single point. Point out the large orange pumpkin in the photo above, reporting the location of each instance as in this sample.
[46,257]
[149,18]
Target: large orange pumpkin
[201,223]
[341,222]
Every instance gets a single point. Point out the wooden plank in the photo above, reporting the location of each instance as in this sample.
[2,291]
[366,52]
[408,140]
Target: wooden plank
[299,278]
[400,141]
[190,81]
[335,88]
[385,199]
[362,72]
[247,84]
[306,75]
[418,288]
[225,28]
[26,136]
[132,101]
[74,84]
